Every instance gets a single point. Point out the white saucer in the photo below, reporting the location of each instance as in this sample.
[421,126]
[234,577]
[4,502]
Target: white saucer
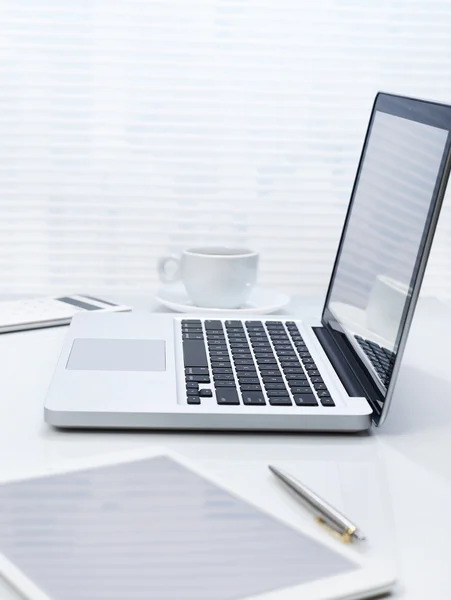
[262,301]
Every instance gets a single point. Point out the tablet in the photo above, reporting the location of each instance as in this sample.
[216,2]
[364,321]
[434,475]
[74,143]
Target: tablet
[153,526]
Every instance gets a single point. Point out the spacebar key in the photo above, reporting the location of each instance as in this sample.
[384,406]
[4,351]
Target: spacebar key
[227,395]
[194,354]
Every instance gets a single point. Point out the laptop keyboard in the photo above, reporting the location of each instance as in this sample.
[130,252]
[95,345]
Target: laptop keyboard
[254,363]
[381,358]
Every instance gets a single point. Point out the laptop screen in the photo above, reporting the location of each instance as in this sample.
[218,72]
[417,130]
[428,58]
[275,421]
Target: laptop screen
[397,188]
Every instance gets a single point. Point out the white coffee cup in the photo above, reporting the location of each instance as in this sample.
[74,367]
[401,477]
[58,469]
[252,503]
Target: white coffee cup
[214,277]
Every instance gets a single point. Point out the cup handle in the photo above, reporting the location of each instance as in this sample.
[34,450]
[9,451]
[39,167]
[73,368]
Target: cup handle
[163,263]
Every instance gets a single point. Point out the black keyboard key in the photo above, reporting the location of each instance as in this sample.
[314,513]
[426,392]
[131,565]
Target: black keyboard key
[192,330]
[327,401]
[305,389]
[237,351]
[258,335]
[293,370]
[283,347]
[215,335]
[219,353]
[216,349]
[194,322]
[269,367]
[234,324]
[305,354]
[193,399]
[261,345]
[299,383]
[301,348]
[233,341]
[239,362]
[275,386]
[198,378]
[320,386]
[223,377]
[277,393]
[260,355]
[305,400]
[249,380]
[196,371]
[310,368]
[300,345]
[314,373]
[243,376]
[244,369]
[227,395]
[272,373]
[225,370]
[271,379]
[223,383]
[242,357]
[250,388]
[194,354]
[289,359]
[283,354]
[220,364]
[192,336]
[216,343]
[279,338]
[316,379]
[209,325]
[280,401]
[266,361]
[253,398]
[259,340]
[296,384]
[296,377]
[291,365]
[239,346]
[192,385]
[205,393]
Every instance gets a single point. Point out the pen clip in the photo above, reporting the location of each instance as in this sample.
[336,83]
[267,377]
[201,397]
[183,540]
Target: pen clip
[346,537]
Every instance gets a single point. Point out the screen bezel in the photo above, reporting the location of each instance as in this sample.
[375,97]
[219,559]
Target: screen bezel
[429,113]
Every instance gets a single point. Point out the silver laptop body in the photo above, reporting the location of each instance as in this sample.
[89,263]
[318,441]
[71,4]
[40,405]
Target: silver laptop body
[133,370]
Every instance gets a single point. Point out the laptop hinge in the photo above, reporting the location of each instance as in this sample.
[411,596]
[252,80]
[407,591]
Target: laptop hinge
[354,379]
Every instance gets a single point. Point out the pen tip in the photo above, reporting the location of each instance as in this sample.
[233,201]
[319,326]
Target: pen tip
[359,535]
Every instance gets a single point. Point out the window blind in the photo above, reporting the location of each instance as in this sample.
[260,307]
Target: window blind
[130,129]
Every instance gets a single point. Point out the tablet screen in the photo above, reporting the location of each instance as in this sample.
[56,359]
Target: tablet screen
[151,529]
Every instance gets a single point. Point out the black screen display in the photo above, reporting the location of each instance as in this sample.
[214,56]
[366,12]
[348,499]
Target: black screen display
[393,200]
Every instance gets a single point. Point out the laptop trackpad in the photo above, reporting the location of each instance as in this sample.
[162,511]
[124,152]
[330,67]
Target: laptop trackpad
[117,355]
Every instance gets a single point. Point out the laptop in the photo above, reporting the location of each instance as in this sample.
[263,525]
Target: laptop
[134,370]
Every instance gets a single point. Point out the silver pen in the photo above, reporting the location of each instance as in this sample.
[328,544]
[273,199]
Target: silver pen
[325,513]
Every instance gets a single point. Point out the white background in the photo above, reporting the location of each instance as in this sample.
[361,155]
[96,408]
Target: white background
[130,129]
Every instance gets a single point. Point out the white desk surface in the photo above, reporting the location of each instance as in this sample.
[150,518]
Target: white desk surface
[411,453]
